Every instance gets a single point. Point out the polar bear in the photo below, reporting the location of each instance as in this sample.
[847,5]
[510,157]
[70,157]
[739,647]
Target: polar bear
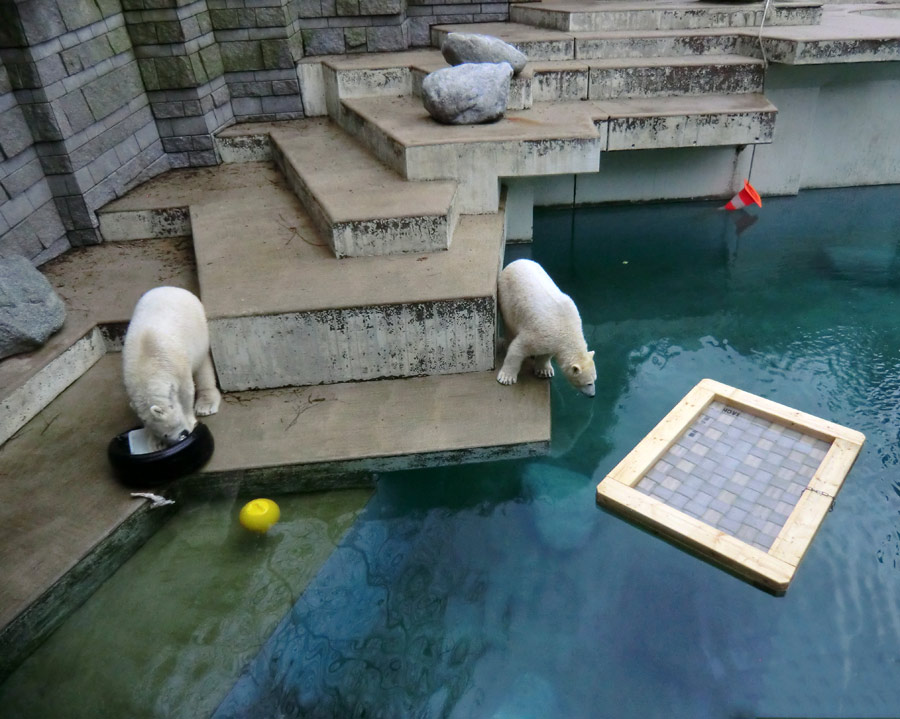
[542,322]
[165,358]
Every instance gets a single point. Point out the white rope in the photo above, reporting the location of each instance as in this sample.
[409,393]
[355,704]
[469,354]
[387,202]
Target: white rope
[759,36]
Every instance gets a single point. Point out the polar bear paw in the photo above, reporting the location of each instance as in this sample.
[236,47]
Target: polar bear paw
[207,402]
[506,377]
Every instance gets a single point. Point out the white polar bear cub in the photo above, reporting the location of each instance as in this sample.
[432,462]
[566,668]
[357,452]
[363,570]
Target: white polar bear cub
[165,357]
[542,322]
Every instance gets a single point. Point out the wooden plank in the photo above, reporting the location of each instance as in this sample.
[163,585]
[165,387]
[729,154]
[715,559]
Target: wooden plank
[798,532]
[648,451]
[741,558]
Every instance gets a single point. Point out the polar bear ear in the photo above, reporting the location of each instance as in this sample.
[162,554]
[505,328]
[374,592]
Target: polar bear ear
[157,411]
[591,354]
[575,369]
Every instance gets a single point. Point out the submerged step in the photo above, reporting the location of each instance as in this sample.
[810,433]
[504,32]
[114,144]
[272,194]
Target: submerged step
[604,17]
[284,311]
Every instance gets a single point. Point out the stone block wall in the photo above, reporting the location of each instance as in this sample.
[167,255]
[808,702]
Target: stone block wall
[97,96]
[30,224]
[76,82]
[422,14]
[260,42]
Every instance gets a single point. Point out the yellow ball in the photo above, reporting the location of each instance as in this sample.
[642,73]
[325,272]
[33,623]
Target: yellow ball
[258,515]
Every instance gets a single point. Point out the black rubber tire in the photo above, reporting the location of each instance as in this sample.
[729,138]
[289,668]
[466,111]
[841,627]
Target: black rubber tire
[156,468]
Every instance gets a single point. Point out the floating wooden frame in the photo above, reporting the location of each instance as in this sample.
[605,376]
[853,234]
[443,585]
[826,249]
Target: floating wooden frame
[742,480]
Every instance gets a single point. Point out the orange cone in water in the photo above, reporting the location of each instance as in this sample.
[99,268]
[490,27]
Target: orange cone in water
[744,198]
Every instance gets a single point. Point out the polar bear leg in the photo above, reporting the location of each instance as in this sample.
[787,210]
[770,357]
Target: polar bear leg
[542,366]
[208,395]
[515,355]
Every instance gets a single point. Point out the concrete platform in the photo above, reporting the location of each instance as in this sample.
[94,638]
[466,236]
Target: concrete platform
[273,294]
[548,139]
[66,524]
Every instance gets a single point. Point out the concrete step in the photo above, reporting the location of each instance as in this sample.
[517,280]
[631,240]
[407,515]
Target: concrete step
[283,311]
[66,524]
[548,139]
[645,77]
[545,44]
[664,43]
[359,206]
[612,16]
[698,121]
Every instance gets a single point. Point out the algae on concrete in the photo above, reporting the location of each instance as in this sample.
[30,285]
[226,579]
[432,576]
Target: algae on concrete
[169,633]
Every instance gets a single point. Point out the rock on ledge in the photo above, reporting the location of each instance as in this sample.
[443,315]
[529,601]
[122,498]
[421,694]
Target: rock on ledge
[467,94]
[30,310]
[461,47]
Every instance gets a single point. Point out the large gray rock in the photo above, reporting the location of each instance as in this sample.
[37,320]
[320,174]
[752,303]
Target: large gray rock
[30,310]
[461,47]
[467,94]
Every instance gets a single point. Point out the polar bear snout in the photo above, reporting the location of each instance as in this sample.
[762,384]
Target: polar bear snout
[587,389]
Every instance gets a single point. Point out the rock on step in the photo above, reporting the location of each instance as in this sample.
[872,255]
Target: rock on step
[459,48]
[468,94]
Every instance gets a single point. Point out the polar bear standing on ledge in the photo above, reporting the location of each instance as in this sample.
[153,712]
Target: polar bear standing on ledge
[165,357]
[542,322]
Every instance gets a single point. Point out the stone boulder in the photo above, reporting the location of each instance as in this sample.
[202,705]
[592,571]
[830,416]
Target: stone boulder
[462,47]
[467,94]
[30,310]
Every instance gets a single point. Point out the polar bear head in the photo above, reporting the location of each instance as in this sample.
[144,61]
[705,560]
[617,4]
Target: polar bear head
[580,372]
[164,416]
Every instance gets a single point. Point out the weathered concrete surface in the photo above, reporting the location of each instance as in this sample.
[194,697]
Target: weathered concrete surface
[702,121]
[613,16]
[358,205]
[819,142]
[60,506]
[284,311]
[659,43]
[288,436]
[545,140]
[667,76]
[849,33]
[30,310]
[158,208]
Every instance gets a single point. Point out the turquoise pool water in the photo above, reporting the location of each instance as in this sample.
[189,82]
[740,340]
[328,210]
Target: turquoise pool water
[502,591]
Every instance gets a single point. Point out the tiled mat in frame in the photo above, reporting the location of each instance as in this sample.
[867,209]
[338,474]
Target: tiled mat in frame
[741,479]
